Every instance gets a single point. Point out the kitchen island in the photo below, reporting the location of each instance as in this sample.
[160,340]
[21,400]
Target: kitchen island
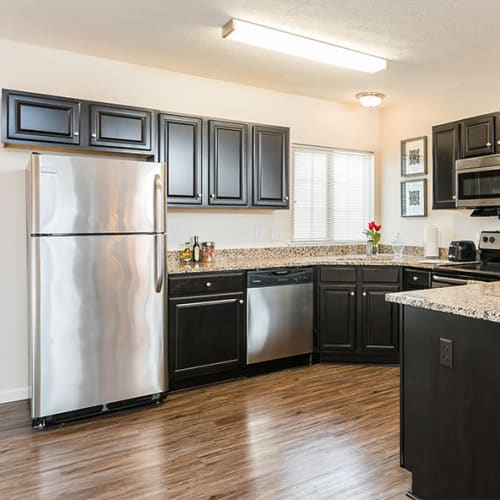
[450,374]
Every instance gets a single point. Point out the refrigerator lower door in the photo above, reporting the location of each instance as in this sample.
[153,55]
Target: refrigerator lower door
[97,320]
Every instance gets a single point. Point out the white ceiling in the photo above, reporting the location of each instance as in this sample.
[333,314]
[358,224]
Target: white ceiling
[428,43]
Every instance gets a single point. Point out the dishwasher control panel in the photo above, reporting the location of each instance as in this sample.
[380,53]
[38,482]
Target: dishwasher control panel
[280,276]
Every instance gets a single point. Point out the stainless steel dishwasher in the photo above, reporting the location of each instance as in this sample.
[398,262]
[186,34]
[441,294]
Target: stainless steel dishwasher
[279,313]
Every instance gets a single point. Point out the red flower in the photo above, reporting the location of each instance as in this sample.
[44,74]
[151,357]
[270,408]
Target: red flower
[377,228]
[371,225]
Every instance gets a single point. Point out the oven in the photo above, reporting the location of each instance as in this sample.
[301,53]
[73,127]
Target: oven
[442,279]
[478,182]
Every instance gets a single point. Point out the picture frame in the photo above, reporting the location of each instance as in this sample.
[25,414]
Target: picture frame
[414,156]
[414,198]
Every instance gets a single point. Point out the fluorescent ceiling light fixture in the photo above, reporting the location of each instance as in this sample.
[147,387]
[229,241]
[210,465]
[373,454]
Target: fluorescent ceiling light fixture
[299,46]
[370,99]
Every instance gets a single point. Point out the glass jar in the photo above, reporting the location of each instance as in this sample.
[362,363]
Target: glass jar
[186,254]
[208,251]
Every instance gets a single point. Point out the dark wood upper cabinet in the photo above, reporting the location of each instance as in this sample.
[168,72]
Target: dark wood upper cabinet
[445,152]
[114,126]
[40,119]
[209,161]
[497,133]
[180,149]
[270,166]
[228,172]
[478,136]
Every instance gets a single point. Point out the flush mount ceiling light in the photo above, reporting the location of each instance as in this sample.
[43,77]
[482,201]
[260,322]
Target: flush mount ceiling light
[299,46]
[370,99]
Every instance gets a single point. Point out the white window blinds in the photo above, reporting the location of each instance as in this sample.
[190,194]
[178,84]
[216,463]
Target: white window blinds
[333,194]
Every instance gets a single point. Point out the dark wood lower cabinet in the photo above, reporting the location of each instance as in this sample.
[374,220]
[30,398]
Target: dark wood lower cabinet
[354,321]
[379,320]
[449,415]
[207,334]
[337,318]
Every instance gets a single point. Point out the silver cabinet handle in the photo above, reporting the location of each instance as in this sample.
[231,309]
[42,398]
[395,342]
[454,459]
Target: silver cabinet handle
[212,196]
[93,135]
[364,294]
[241,301]
[352,294]
[286,198]
[414,278]
[454,197]
[76,134]
[498,142]
[208,284]
[198,195]
[488,144]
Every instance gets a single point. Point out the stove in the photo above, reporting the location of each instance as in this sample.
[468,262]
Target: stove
[485,270]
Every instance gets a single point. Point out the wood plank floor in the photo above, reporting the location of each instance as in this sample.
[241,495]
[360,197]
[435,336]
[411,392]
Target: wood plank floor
[319,432]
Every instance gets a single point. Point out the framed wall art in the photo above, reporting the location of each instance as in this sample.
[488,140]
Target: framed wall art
[414,198]
[414,156]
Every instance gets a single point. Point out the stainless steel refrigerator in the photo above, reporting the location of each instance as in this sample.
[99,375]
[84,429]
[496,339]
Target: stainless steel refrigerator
[97,282]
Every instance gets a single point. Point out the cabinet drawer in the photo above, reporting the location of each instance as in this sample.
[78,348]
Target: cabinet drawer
[341,274]
[206,283]
[413,278]
[380,274]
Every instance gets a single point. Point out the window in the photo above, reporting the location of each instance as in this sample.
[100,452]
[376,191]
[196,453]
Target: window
[333,194]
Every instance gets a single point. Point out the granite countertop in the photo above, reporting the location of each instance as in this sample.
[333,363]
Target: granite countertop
[481,301]
[238,263]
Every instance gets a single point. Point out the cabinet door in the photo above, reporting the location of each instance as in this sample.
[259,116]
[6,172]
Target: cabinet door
[337,318]
[379,320]
[116,127]
[180,149]
[444,154]
[270,166]
[228,163]
[477,136]
[206,335]
[41,119]
[497,134]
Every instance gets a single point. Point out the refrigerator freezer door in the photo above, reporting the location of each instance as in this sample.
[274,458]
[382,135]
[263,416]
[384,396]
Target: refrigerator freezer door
[90,195]
[97,320]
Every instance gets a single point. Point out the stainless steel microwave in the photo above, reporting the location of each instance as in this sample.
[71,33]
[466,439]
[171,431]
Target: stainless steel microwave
[478,182]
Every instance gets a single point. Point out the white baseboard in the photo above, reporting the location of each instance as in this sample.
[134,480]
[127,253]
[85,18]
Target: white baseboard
[14,395]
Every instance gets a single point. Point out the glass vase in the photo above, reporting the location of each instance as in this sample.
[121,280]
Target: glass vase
[369,247]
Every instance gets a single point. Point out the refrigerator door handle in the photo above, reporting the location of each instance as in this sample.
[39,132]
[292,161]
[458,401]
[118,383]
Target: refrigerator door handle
[159,262]
[158,201]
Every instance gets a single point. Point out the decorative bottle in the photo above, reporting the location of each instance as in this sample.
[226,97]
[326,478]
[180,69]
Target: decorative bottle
[196,250]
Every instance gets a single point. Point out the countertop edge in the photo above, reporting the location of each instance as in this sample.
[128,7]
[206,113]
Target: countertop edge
[423,299]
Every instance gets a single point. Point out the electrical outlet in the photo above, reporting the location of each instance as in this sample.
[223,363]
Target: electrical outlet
[446,352]
[276,235]
[259,233]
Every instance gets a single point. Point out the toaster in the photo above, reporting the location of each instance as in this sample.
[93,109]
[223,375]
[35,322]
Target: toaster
[462,250]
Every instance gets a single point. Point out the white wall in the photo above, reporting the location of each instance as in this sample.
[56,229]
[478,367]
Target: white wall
[38,69]
[414,119]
